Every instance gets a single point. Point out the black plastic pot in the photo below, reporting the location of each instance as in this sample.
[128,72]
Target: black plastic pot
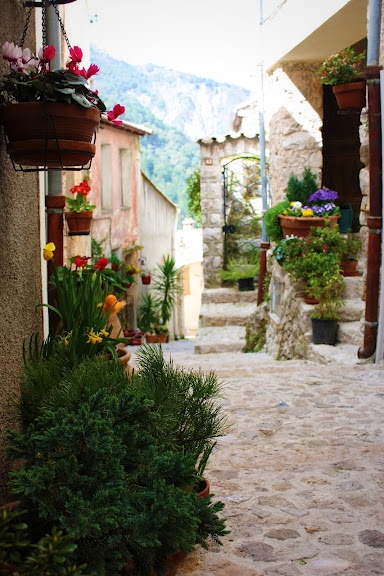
[245,284]
[324,331]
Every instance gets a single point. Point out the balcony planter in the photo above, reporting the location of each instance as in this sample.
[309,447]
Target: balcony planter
[50,134]
[301,227]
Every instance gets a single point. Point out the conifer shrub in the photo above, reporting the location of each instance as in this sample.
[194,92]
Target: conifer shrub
[93,468]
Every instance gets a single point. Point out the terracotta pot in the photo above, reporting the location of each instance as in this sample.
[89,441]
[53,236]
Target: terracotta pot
[146,279]
[156,338]
[309,300]
[205,488]
[348,268]
[350,96]
[79,223]
[301,227]
[50,134]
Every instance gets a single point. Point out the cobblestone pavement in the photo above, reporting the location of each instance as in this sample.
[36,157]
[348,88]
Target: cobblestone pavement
[301,470]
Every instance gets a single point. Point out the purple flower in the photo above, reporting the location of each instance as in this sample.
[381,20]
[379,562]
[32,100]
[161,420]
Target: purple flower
[323,195]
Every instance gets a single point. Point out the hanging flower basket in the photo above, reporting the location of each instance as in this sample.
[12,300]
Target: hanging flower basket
[79,223]
[50,134]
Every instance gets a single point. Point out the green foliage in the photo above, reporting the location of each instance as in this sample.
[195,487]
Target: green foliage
[166,287]
[93,468]
[193,193]
[272,222]
[238,269]
[341,68]
[148,314]
[50,556]
[97,251]
[187,402]
[300,189]
[255,341]
[350,246]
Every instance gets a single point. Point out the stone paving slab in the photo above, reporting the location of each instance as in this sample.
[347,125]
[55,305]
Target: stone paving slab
[301,470]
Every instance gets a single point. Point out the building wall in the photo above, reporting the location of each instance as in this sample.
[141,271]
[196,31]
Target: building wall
[157,235]
[20,252]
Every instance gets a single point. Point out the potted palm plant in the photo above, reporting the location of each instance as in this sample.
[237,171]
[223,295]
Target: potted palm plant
[341,71]
[327,289]
[50,116]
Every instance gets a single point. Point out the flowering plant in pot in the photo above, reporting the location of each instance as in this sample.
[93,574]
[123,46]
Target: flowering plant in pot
[50,116]
[79,215]
[341,71]
[341,68]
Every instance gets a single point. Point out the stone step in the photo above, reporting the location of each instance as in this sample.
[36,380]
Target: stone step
[341,353]
[353,287]
[227,295]
[226,314]
[353,310]
[350,333]
[217,340]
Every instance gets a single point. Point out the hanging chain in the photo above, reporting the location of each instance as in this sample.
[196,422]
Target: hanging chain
[44,25]
[53,2]
[25,27]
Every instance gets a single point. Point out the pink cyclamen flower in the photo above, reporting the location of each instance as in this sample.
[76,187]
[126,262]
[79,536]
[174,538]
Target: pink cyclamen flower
[11,52]
[76,54]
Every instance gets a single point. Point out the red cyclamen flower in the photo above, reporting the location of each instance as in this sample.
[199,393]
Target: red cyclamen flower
[49,53]
[81,261]
[101,263]
[117,110]
[92,70]
[76,54]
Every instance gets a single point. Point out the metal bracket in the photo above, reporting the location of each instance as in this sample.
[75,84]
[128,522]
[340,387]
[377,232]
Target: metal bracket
[371,324]
[375,230]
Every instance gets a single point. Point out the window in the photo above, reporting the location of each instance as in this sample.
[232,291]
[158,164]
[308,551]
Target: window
[106,177]
[125,177]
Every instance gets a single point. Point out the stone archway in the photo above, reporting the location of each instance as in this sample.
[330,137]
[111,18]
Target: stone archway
[212,153]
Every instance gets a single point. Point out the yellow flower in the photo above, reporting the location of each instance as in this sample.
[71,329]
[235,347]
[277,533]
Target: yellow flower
[104,333]
[94,337]
[307,212]
[48,251]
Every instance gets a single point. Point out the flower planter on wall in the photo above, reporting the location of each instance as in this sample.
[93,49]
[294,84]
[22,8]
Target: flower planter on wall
[50,134]
[349,268]
[301,227]
[350,96]
[79,223]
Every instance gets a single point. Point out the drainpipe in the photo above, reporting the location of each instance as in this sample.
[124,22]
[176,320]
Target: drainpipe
[54,200]
[374,220]
[264,245]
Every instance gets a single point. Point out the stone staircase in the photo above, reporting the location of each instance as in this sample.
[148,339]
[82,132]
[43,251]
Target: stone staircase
[223,317]
[225,312]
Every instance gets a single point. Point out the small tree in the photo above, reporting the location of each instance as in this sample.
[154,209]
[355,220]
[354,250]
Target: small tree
[193,193]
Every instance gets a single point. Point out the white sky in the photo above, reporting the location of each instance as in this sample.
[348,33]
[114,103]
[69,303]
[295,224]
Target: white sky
[209,38]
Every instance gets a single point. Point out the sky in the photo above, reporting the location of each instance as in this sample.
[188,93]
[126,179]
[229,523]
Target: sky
[208,38]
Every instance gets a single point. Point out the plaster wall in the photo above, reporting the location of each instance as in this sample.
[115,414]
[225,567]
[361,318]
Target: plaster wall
[20,253]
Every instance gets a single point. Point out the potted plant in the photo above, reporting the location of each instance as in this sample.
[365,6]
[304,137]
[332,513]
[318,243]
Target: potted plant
[115,262]
[146,277]
[327,289]
[50,116]
[187,401]
[104,477]
[341,71]
[241,272]
[79,214]
[350,247]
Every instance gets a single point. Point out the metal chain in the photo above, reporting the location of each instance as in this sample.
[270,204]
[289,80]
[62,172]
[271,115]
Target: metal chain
[44,25]
[25,27]
[53,2]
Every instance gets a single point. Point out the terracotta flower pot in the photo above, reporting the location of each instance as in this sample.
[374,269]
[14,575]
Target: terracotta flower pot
[50,134]
[350,96]
[349,268]
[301,227]
[156,338]
[146,279]
[79,223]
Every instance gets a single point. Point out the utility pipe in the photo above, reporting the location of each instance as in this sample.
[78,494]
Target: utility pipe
[374,220]
[264,245]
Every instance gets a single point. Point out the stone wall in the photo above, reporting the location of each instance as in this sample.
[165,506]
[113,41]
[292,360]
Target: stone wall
[212,153]
[21,256]
[295,110]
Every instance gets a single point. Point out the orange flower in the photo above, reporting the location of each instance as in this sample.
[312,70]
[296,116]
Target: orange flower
[111,304]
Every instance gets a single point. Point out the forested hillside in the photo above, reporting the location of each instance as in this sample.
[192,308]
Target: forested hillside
[179,108]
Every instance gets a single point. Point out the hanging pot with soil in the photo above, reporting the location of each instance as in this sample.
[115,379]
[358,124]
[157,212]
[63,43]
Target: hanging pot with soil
[350,96]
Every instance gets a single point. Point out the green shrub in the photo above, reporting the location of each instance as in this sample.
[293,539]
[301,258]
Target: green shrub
[272,222]
[300,189]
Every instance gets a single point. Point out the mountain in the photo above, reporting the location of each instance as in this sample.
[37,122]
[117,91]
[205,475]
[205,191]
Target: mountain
[180,109]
